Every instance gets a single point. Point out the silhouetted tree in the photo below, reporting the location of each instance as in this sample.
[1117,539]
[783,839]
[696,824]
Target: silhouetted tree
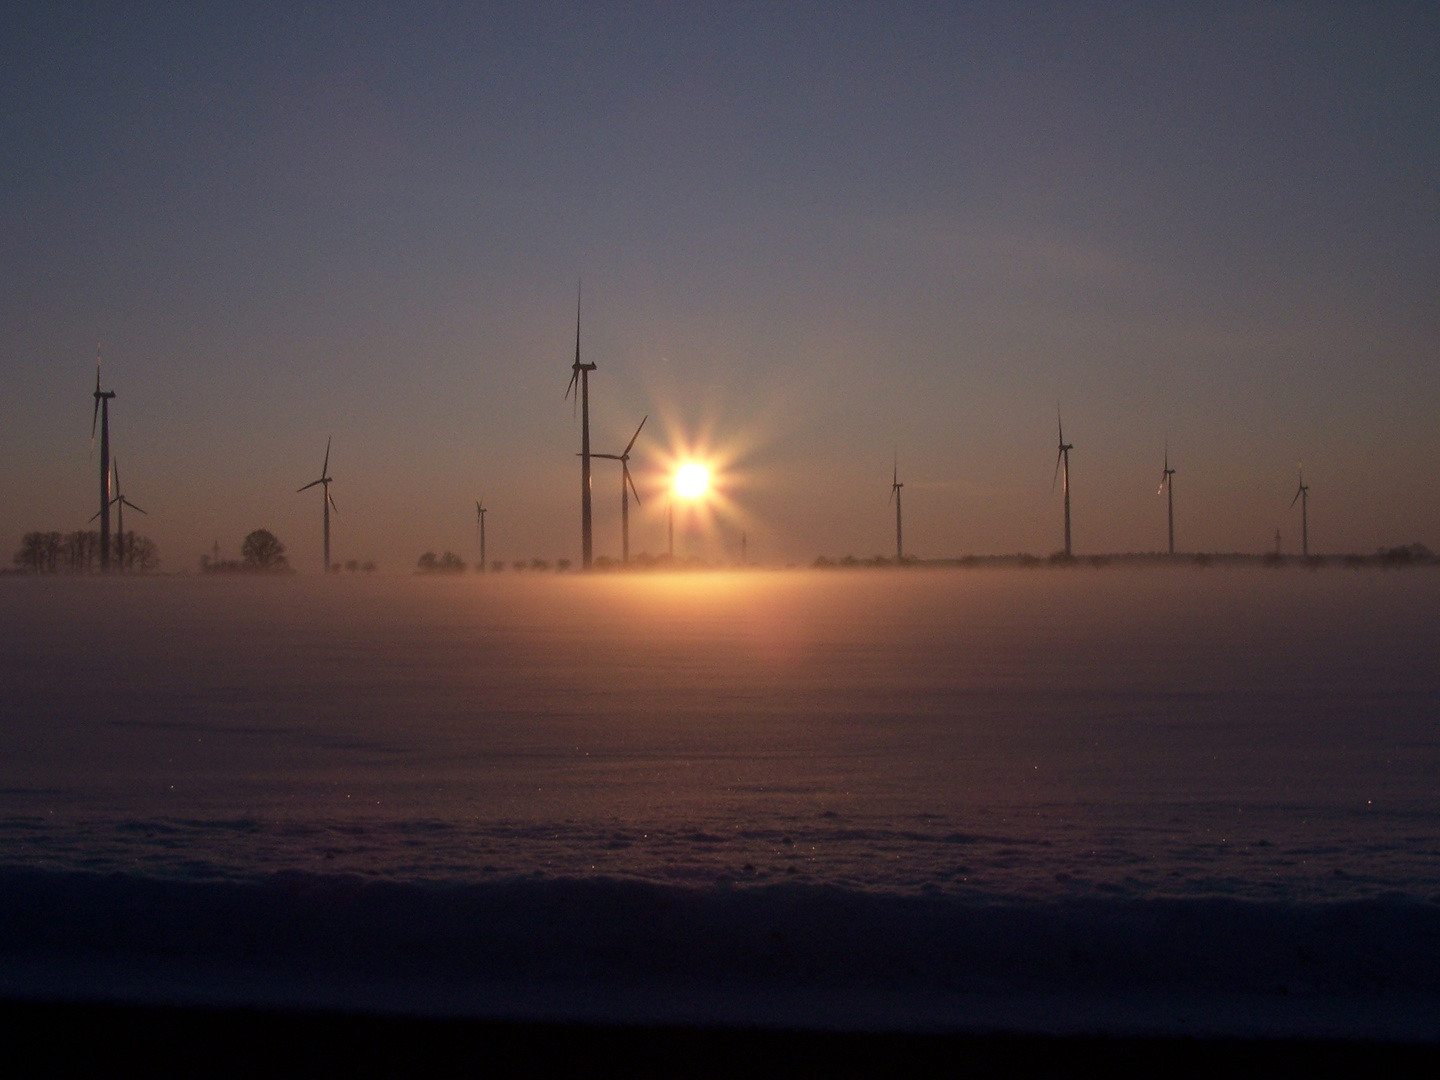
[80,549]
[262,551]
[31,555]
[54,549]
[448,563]
[141,553]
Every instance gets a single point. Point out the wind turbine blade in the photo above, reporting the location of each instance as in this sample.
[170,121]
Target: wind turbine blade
[332,501]
[308,486]
[132,506]
[1059,425]
[94,516]
[1056,477]
[631,443]
[325,469]
[115,471]
[631,481]
[1297,496]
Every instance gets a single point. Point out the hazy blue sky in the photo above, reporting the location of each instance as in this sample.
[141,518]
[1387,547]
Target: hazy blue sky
[810,235]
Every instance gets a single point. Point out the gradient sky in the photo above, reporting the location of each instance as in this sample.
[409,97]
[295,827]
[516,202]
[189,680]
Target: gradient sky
[810,236]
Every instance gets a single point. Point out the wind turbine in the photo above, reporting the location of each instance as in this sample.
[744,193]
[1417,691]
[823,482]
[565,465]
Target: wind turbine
[895,486]
[327,501]
[480,529]
[1303,494]
[624,459]
[1167,485]
[120,502]
[1063,457]
[580,374]
[102,414]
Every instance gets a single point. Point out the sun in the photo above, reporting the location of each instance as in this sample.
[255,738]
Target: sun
[691,480]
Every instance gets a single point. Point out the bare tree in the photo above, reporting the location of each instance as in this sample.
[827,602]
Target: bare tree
[141,553]
[262,551]
[54,548]
[31,555]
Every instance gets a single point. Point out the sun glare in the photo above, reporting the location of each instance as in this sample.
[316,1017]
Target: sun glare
[692,480]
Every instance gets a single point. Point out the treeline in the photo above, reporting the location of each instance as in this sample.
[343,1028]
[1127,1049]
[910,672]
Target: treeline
[79,552]
[260,552]
[450,563]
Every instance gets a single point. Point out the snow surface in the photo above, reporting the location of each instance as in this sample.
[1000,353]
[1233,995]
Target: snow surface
[1046,799]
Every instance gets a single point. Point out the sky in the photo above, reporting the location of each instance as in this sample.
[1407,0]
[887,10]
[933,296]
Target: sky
[814,240]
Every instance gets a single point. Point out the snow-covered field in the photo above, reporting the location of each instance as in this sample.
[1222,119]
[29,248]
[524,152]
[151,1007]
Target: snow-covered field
[1123,800]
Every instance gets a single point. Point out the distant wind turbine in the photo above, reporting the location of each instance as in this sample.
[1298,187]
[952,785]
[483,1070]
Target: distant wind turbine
[1063,457]
[119,501]
[895,486]
[1167,485]
[624,459]
[102,414]
[480,529]
[580,376]
[1303,494]
[327,502]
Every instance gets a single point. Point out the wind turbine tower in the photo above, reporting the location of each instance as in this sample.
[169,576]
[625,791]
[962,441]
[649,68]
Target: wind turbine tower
[120,502]
[624,459]
[1303,494]
[102,414]
[327,502]
[1167,485]
[580,374]
[895,486]
[480,530]
[1063,458]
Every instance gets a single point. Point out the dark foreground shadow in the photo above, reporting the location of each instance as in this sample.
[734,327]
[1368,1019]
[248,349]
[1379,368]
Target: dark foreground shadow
[49,1038]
